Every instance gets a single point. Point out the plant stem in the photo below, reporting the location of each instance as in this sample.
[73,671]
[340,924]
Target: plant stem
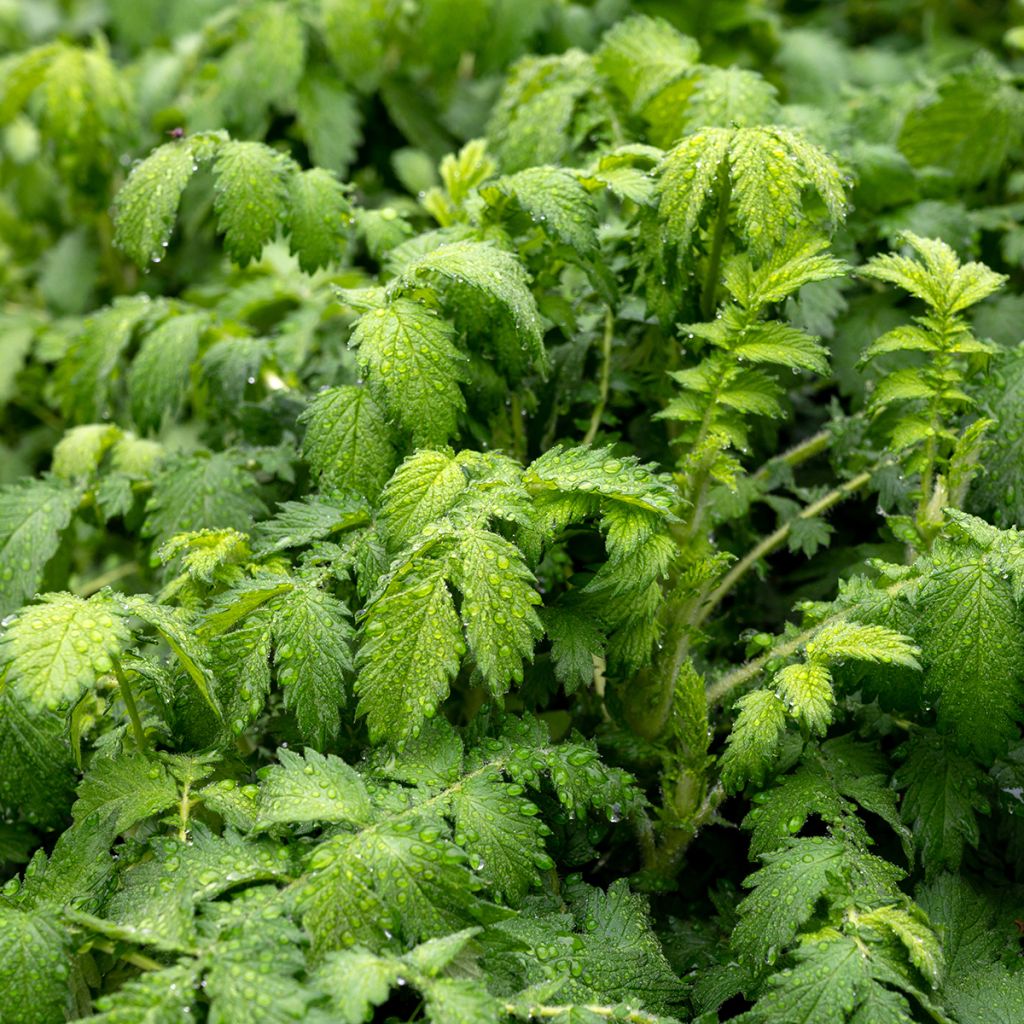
[129,702]
[605,381]
[518,434]
[136,959]
[707,297]
[668,855]
[799,453]
[119,572]
[719,690]
[775,540]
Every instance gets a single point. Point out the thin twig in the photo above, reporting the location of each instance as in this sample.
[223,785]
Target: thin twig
[606,375]
[775,540]
[97,583]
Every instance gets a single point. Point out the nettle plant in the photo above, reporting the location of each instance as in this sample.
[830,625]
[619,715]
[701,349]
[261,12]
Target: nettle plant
[408,575]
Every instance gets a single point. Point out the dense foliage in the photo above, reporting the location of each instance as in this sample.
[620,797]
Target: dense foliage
[509,510]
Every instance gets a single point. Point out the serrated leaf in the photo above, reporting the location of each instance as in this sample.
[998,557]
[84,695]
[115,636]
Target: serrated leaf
[506,841]
[147,205]
[251,198]
[318,216]
[204,491]
[309,788]
[785,891]
[33,516]
[313,655]
[36,769]
[159,377]
[424,488]
[486,289]
[972,644]
[807,692]
[356,981]
[35,966]
[754,740]
[409,353]
[348,441]
[408,656]
[130,787]
[554,199]
[330,120]
[55,650]
[154,997]
[498,599]
[943,793]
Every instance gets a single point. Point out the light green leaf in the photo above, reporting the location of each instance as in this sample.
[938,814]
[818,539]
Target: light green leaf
[33,516]
[311,788]
[56,649]
[408,352]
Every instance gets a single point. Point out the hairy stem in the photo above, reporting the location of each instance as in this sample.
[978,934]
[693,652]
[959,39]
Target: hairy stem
[139,960]
[605,381]
[775,540]
[710,289]
[667,856]
[518,434]
[129,702]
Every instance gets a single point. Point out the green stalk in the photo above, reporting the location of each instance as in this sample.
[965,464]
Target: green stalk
[775,540]
[709,291]
[129,702]
[605,381]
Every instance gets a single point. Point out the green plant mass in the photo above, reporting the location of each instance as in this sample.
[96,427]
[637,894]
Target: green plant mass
[510,511]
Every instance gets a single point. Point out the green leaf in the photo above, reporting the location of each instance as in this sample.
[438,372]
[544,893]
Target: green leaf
[993,995]
[178,632]
[408,352]
[329,119]
[318,217]
[146,206]
[458,1001]
[154,997]
[203,491]
[35,967]
[130,787]
[972,644]
[501,831]
[807,692]
[844,640]
[55,650]
[251,198]
[310,788]
[643,55]
[486,291]
[348,441]
[498,599]
[36,770]
[967,126]
[160,373]
[575,641]
[554,199]
[357,981]
[88,369]
[784,895]
[33,516]
[409,652]
[754,740]
[944,792]
[936,276]
[313,656]
[832,977]
[423,489]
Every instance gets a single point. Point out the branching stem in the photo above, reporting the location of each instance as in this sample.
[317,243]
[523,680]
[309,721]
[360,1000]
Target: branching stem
[710,289]
[775,540]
